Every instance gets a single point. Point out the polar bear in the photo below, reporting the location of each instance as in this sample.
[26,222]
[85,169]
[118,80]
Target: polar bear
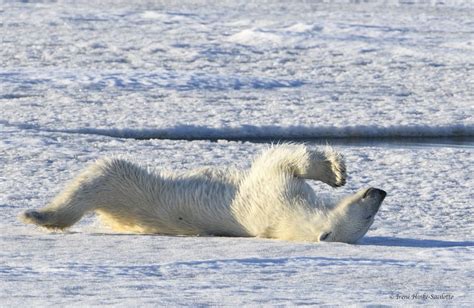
[270,200]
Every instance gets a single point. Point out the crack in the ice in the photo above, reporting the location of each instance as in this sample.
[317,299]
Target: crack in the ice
[455,134]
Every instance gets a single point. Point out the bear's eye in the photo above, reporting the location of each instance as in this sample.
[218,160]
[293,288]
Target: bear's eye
[324,236]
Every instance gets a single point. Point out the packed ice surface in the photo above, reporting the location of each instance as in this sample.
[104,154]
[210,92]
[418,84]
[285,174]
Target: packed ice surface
[421,243]
[237,69]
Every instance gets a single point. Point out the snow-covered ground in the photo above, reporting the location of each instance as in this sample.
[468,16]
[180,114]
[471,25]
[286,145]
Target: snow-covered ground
[75,76]
[420,243]
[191,68]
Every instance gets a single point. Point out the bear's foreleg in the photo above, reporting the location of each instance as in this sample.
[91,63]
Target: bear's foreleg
[325,165]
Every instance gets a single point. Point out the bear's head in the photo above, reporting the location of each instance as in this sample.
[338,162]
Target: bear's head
[353,216]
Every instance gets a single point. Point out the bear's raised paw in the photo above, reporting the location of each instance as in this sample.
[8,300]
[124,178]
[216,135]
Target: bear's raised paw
[336,168]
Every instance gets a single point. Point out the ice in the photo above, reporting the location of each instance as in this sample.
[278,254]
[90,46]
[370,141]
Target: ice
[80,80]
[256,38]
[420,243]
[368,69]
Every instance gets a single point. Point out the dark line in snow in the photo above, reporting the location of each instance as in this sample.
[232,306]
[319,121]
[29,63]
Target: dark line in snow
[452,134]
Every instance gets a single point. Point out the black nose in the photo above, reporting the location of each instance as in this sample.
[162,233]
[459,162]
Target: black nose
[382,193]
[375,192]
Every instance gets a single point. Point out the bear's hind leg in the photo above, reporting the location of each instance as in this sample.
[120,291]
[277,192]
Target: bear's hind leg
[83,194]
[50,218]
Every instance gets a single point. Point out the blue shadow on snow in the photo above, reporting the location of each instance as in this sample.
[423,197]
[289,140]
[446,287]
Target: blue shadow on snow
[409,242]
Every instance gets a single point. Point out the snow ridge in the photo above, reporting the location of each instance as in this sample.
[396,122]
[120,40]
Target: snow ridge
[268,132]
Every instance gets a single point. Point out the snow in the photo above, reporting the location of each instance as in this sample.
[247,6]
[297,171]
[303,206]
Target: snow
[367,69]
[420,243]
[78,82]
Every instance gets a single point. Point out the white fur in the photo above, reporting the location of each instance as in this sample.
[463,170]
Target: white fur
[271,199]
